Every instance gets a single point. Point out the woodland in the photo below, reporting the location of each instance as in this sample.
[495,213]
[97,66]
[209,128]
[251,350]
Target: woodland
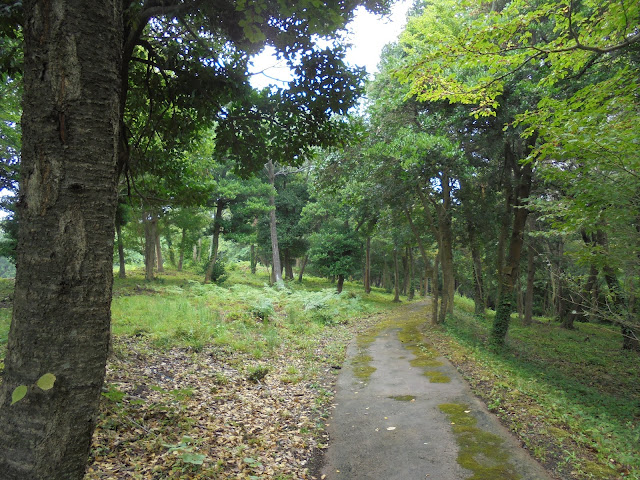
[491,166]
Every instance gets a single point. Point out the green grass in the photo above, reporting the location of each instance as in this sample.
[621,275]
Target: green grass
[579,389]
[244,314]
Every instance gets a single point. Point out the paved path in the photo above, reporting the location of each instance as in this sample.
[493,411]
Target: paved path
[398,424]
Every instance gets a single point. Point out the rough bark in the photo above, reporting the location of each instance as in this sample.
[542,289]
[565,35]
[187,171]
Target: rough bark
[67,204]
[340,283]
[288,267]
[478,281]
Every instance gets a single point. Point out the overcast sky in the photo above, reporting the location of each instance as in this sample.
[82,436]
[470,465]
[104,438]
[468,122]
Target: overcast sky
[367,33]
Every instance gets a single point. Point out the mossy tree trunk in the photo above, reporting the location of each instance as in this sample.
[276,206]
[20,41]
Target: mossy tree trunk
[523,177]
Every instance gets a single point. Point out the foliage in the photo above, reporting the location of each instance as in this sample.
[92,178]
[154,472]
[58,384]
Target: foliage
[336,250]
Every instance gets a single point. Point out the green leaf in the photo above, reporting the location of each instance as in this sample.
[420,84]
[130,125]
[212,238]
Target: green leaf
[46,381]
[18,394]
[193,458]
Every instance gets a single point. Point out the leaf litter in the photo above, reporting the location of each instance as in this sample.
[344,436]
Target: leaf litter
[182,414]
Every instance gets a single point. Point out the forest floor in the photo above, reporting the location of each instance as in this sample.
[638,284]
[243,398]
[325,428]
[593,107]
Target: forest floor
[237,381]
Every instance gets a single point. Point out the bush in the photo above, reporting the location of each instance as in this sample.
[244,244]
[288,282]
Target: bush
[219,272]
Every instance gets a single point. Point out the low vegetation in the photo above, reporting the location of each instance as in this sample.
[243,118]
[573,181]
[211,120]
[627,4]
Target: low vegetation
[572,396]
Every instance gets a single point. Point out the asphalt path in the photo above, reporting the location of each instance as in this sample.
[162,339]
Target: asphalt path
[398,424]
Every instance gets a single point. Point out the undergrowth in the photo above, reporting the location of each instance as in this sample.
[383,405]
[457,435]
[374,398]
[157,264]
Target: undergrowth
[245,314]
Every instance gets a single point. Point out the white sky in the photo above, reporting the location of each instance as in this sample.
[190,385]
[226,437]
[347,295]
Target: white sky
[367,33]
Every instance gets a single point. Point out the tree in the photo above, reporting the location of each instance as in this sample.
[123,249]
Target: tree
[77,59]
[336,251]
[575,64]
[65,241]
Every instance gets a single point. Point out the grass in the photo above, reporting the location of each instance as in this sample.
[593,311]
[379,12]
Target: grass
[573,396]
[244,314]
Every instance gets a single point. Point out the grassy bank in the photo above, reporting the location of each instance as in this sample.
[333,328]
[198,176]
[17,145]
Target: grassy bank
[572,396]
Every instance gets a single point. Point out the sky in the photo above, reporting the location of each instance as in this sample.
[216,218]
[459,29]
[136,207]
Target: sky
[367,33]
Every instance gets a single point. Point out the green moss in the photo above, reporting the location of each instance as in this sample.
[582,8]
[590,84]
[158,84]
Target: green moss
[596,470]
[425,362]
[361,366]
[558,433]
[403,398]
[481,452]
[435,376]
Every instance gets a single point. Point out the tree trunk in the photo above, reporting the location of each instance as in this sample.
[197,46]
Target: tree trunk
[160,260]
[367,266]
[435,287]
[446,247]
[288,267]
[448,282]
[183,238]
[302,267]
[386,281]
[528,299]
[520,299]
[405,272]
[340,282]
[277,269]
[396,276]
[122,272]
[423,251]
[252,260]
[149,246]
[630,337]
[215,240]
[169,240]
[411,284]
[524,177]
[478,282]
[61,310]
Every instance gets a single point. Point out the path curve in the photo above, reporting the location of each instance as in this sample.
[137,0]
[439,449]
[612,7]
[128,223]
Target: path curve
[396,417]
